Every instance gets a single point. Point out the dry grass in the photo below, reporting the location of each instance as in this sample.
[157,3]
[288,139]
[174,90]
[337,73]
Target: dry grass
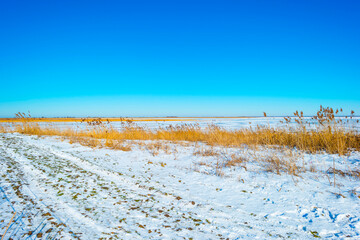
[206,152]
[278,165]
[323,133]
[351,173]
[235,160]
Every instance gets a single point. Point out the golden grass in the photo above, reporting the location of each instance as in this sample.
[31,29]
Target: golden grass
[323,132]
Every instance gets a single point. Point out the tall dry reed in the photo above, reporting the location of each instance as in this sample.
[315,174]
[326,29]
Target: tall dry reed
[323,132]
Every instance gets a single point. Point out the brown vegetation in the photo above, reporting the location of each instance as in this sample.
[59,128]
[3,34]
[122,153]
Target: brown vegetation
[324,132]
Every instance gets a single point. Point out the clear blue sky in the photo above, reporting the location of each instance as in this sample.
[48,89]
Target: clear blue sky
[178,57]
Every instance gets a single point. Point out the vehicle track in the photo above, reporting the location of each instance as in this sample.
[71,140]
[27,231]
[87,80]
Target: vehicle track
[64,193]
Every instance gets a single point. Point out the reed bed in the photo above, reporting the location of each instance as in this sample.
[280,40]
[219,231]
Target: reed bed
[323,132]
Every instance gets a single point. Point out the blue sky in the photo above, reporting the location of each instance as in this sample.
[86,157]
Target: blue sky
[178,58]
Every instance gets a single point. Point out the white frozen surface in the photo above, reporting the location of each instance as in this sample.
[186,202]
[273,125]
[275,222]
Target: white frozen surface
[226,123]
[136,195]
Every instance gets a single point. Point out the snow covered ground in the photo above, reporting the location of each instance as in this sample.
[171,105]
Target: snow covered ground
[68,191]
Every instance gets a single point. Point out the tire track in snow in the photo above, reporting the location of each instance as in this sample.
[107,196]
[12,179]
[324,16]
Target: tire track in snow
[245,224]
[122,205]
[112,176]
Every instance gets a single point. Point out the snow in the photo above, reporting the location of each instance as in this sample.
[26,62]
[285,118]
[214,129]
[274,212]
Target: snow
[68,191]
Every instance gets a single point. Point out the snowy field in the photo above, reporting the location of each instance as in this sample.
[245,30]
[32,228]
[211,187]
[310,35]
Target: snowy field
[67,191]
